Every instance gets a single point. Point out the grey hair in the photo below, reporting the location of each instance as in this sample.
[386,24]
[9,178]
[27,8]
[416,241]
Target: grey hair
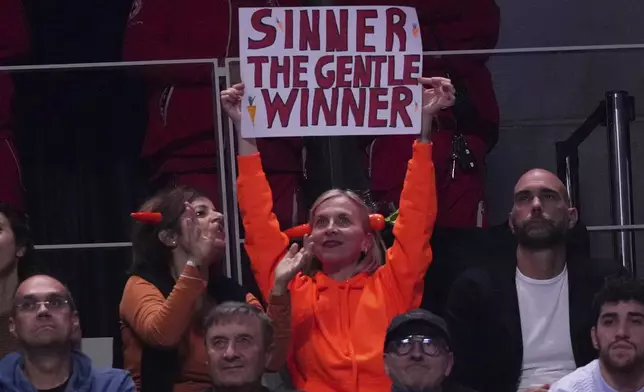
[229,310]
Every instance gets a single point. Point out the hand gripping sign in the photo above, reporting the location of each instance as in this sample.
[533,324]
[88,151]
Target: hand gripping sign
[327,71]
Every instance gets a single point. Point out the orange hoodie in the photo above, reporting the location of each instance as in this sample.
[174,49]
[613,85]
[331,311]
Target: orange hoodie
[338,328]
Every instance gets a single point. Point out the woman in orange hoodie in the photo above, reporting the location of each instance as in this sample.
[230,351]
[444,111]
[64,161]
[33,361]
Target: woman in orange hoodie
[342,306]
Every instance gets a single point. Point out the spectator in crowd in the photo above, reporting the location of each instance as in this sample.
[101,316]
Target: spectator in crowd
[15,244]
[472,123]
[175,279]
[14,44]
[346,298]
[239,341]
[418,355]
[618,334]
[524,322]
[180,145]
[44,321]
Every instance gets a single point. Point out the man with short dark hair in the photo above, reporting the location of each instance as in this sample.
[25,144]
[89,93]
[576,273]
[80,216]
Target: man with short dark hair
[45,323]
[618,334]
[418,357]
[522,322]
[239,343]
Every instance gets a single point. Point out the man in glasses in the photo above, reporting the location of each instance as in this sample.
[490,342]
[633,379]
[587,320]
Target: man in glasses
[44,321]
[418,357]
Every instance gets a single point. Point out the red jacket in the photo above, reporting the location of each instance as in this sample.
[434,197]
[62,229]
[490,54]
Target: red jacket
[447,25]
[14,43]
[458,25]
[180,133]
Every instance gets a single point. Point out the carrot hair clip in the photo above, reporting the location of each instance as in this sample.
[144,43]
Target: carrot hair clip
[147,217]
[376,221]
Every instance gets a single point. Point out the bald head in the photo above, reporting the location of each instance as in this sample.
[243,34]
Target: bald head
[542,179]
[541,215]
[44,315]
[40,281]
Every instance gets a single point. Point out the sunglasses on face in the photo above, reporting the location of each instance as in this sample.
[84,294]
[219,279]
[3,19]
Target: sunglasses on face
[429,346]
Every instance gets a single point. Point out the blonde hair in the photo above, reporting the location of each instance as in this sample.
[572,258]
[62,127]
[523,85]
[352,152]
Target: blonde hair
[374,256]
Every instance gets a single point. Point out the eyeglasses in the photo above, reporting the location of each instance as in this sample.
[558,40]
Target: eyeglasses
[32,305]
[429,346]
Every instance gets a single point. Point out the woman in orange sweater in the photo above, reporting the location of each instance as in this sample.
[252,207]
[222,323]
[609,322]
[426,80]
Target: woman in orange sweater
[342,306]
[174,282]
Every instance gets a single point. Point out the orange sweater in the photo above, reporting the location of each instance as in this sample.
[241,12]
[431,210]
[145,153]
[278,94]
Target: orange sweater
[147,317]
[338,328]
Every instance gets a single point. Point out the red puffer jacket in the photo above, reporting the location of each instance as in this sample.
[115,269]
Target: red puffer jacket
[180,133]
[14,43]
[447,25]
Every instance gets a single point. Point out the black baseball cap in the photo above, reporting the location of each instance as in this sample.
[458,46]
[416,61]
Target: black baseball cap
[417,322]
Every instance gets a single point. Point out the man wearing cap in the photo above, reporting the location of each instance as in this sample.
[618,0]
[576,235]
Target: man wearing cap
[417,355]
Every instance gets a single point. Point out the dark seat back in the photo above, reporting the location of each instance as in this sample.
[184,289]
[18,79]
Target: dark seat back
[456,250]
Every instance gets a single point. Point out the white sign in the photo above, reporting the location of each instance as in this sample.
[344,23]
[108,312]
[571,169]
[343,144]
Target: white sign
[330,71]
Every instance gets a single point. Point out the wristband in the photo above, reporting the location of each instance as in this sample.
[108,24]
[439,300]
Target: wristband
[193,264]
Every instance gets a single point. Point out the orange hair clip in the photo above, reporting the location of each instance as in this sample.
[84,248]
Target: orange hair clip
[376,221]
[147,217]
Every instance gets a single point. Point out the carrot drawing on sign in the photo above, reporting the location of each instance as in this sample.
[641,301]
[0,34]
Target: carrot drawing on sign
[415,30]
[279,25]
[416,106]
[252,109]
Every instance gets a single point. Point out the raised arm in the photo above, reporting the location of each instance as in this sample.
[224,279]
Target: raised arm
[264,241]
[157,320]
[411,254]
[161,321]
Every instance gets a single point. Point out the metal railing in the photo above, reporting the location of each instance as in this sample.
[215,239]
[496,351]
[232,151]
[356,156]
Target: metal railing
[616,113]
[567,155]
